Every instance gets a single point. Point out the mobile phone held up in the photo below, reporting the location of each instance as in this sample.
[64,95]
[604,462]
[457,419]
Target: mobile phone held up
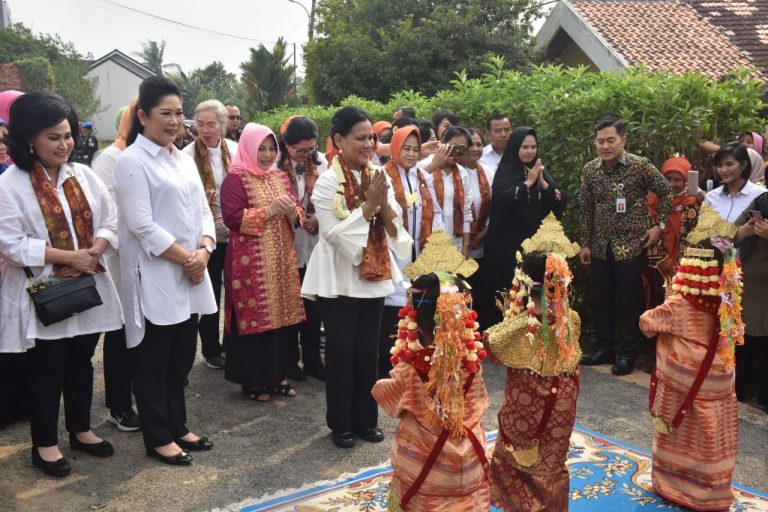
[693,183]
[755,215]
[458,150]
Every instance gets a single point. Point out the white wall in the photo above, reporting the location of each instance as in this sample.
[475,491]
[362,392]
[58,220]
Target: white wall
[117,87]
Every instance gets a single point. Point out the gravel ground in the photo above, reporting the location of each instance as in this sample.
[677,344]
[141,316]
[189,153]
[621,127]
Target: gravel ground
[264,448]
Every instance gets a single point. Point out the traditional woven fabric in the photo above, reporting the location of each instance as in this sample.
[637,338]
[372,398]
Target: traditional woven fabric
[484,209]
[263,284]
[694,465]
[457,480]
[458,197]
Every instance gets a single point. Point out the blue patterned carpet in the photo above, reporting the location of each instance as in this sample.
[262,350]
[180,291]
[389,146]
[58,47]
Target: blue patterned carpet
[606,475]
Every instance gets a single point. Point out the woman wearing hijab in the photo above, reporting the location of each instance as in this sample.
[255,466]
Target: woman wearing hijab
[521,196]
[414,192]
[117,362]
[261,276]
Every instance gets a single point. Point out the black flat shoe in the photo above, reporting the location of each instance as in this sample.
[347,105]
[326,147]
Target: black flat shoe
[180,459]
[59,468]
[317,372]
[102,449]
[372,435]
[623,366]
[343,439]
[295,373]
[597,357]
[201,444]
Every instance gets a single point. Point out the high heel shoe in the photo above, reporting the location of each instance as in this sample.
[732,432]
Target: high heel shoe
[180,459]
[201,444]
[58,468]
[102,449]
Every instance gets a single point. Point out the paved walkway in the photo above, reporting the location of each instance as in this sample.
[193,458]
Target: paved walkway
[264,448]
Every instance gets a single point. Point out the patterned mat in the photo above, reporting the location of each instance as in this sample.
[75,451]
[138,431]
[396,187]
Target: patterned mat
[606,475]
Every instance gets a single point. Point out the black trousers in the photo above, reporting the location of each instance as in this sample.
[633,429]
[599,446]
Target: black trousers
[118,374]
[752,369]
[389,320]
[209,324]
[483,294]
[618,298]
[308,334]
[14,404]
[161,363]
[56,367]
[352,329]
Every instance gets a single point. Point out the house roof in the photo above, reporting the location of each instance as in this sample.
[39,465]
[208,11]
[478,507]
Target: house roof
[126,62]
[662,34]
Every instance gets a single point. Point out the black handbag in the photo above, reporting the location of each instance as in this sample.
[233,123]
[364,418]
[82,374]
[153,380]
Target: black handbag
[64,299]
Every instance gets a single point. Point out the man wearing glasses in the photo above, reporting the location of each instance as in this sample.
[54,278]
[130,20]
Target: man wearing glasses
[233,123]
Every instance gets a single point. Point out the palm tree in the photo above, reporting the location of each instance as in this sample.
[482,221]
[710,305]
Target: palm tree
[151,56]
[267,76]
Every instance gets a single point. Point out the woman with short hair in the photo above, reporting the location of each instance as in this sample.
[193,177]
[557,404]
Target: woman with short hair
[734,168]
[58,221]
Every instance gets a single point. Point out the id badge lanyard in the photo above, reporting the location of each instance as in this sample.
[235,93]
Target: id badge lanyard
[621,199]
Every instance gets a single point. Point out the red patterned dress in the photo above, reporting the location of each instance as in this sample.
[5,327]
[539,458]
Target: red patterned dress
[261,277]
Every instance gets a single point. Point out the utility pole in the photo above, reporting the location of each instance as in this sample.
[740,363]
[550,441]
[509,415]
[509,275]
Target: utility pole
[295,82]
[312,21]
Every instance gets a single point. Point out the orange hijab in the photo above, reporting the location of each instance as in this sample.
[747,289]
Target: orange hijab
[671,234]
[378,126]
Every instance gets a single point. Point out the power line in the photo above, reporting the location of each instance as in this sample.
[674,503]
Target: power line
[185,25]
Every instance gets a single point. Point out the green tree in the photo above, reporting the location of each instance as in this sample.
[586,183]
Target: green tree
[375,48]
[268,77]
[19,45]
[210,82]
[152,56]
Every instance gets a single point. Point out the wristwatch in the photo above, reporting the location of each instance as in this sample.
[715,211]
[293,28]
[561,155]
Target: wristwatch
[207,248]
[662,225]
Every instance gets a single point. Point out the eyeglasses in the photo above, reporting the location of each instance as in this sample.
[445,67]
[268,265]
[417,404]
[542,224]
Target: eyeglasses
[304,151]
[234,118]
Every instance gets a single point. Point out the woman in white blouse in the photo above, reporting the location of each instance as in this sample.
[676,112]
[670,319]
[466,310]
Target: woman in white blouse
[736,192]
[452,186]
[213,154]
[167,235]
[351,270]
[58,221]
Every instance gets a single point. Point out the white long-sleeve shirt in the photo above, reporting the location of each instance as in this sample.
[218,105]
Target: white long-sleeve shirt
[490,159]
[305,241]
[23,239]
[448,211]
[160,200]
[411,185]
[334,267]
[474,182]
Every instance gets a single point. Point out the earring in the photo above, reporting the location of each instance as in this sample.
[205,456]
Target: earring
[31,150]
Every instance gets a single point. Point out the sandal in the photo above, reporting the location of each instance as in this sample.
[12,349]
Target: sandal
[259,394]
[285,389]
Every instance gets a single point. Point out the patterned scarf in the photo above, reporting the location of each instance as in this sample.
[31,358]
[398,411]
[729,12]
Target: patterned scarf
[55,219]
[479,220]
[375,265]
[205,169]
[310,176]
[427,208]
[458,197]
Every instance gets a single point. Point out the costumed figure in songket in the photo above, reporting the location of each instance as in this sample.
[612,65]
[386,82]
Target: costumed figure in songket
[436,389]
[692,398]
[665,256]
[538,342]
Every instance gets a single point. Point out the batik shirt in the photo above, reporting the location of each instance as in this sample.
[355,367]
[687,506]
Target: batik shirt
[600,222]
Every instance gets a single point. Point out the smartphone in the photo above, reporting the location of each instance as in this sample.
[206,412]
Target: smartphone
[755,215]
[458,150]
[693,183]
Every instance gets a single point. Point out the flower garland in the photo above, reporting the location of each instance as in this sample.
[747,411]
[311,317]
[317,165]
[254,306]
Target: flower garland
[697,277]
[339,204]
[522,285]
[731,323]
[557,281]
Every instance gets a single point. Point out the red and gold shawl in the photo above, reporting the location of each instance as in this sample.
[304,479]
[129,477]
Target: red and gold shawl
[458,197]
[375,265]
[310,176]
[479,220]
[205,169]
[53,212]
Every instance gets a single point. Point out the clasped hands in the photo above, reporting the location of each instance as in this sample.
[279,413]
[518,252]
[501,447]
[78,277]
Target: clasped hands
[283,204]
[376,196]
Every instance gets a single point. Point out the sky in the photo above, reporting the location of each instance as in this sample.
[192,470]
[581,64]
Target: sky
[100,26]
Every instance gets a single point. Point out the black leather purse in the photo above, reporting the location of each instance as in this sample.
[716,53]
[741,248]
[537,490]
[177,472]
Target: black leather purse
[62,300]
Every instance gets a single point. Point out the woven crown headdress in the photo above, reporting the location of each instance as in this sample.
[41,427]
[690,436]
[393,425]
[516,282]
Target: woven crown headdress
[440,255]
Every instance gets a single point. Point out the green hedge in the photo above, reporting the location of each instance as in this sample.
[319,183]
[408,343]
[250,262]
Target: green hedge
[37,74]
[665,112]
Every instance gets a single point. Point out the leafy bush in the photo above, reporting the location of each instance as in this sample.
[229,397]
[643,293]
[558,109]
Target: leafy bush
[665,112]
[37,74]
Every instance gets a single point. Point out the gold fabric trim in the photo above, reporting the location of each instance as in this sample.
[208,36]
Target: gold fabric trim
[710,225]
[551,238]
[440,255]
[509,344]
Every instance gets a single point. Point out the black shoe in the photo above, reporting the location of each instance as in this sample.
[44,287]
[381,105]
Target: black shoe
[201,444]
[216,362]
[58,468]
[293,372]
[317,371]
[102,449]
[597,357]
[125,421]
[372,435]
[343,439]
[180,459]
[623,366]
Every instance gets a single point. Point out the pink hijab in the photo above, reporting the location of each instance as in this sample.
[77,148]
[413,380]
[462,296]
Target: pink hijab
[6,100]
[758,141]
[246,157]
